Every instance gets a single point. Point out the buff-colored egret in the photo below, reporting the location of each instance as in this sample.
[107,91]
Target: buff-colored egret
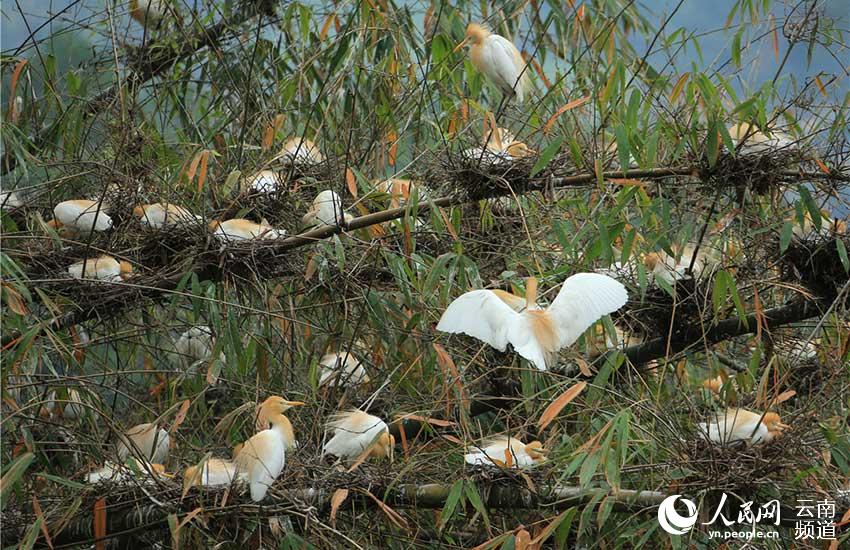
[239,229]
[147,12]
[498,59]
[750,140]
[506,452]
[103,268]
[742,425]
[300,151]
[326,210]
[80,217]
[535,333]
[146,441]
[262,457]
[357,432]
[213,472]
[161,215]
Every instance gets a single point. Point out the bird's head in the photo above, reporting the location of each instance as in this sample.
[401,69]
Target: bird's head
[126,269]
[518,149]
[773,423]
[139,211]
[278,405]
[476,33]
[385,446]
[213,225]
[713,384]
[54,224]
[237,449]
[536,451]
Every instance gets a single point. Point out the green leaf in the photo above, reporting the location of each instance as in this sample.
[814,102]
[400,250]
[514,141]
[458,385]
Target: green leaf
[547,155]
[14,471]
[623,146]
[736,48]
[474,498]
[62,481]
[785,237]
[842,254]
[31,535]
[718,295]
[452,500]
[712,145]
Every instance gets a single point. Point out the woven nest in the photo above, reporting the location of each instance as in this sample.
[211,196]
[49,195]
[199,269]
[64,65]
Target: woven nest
[816,264]
[744,469]
[760,173]
[475,177]
[659,314]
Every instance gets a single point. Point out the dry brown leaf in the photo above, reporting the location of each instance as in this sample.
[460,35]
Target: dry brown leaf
[628,182]
[327,26]
[775,33]
[202,174]
[558,404]
[351,182]
[99,512]
[548,530]
[311,269]
[822,166]
[522,540]
[784,396]
[584,367]
[427,420]
[337,499]
[13,87]
[193,167]
[36,507]
[393,516]
[14,300]
[563,109]
[190,516]
[451,438]
[181,415]
[392,142]
[494,542]
[448,365]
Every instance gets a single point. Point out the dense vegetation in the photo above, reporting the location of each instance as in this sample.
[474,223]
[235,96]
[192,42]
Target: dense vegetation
[187,109]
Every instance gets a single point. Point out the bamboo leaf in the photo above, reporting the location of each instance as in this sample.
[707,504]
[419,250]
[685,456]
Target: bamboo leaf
[13,474]
[558,404]
[546,156]
[337,499]
[563,109]
[452,500]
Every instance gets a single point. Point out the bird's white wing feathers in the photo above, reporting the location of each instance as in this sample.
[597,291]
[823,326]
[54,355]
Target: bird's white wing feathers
[351,438]
[522,338]
[261,460]
[480,314]
[502,57]
[583,300]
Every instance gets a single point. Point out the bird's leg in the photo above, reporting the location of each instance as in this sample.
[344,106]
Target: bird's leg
[503,105]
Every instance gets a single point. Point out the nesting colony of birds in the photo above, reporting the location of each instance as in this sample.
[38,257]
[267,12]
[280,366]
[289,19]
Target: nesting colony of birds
[512,312]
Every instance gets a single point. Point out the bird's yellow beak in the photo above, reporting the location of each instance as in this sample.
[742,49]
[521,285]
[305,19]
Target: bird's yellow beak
[782,426]
[294,403]
[461,45]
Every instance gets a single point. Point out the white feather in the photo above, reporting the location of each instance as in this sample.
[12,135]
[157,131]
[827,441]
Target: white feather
[480,314]
[326,209]
[82,216]
[501,65]
[354,432]
[343,369]
[261,461]
[145,441]
[494,450]
[103,268]
[583,300]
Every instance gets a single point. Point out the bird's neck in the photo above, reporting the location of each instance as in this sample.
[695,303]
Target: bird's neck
[282,425]
[531,293]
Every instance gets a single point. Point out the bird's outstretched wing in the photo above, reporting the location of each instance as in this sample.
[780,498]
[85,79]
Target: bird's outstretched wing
[583,300]
[480,314]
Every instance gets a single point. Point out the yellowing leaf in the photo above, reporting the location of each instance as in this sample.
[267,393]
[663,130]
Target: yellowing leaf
[558,404]
[181,415]
[13,86]
[427,420]
[351,182]
[678,87]
[202,174]
[563,109]
[522,540]
[337,499]
[821,87]
[784,396]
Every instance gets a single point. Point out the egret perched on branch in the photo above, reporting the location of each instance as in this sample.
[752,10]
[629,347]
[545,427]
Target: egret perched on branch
[355,433]
[498,59]
[326,210]
[159,215]
[261,458]
[103,268]
[341,369]
[146,441]
[535,333]
[214,472]
[80,217]
[507,452]
[742,425]
[239,229]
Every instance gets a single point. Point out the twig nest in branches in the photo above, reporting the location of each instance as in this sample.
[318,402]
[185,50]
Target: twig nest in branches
[829,226]
[498,59]
[358,435]
[326,210]
[300,151]
[162,215]
[735,425]
[239,229]
[400,189]
[675,268]
[146,441]
[196,344]
[535,333]
[102,268]
[264,181]
[261,458]
[80,217]
[214,472]
[147,12]
[135,472]
[341,369]
[485,156]
[507,452]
